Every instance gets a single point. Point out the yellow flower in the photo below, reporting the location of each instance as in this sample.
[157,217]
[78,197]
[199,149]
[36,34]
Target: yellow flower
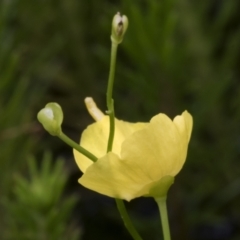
[145,157]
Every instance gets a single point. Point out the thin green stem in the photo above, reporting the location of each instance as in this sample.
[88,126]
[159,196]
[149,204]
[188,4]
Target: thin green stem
[76,146]
[127,222]
[110,103]
[164,217]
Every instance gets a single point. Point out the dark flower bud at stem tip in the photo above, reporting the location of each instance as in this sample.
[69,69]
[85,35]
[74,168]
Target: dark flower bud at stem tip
[119,27]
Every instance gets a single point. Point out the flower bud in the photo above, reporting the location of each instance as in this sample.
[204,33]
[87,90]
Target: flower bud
[119,27]
[51,118]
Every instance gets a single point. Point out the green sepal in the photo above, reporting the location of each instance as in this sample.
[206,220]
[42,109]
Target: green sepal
[159,189]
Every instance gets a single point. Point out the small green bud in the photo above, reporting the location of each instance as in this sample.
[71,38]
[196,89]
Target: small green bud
[51,117]
[119,27]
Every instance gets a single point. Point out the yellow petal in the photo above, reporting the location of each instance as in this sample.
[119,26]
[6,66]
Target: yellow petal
[115,178]
[188,122]
[150,158]
[112,177]
[156,149]
[93,110]
[184,124]
[95,139]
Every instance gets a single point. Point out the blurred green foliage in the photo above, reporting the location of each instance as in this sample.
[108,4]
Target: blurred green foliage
[36,210]
[176,55]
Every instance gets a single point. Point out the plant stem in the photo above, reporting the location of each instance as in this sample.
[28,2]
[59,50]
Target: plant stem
[110,103]
[76,146]
[164,217]
[127,222]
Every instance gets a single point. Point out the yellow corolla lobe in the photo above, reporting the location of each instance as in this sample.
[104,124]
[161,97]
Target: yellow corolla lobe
[145,157]
[95,139]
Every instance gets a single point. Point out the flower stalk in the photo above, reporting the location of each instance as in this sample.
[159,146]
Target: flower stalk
[119,27]
[161,202]
[127,221]
[110,102]
[118,30]
[76,146]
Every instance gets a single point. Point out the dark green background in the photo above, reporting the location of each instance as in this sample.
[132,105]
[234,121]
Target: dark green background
[176,55]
